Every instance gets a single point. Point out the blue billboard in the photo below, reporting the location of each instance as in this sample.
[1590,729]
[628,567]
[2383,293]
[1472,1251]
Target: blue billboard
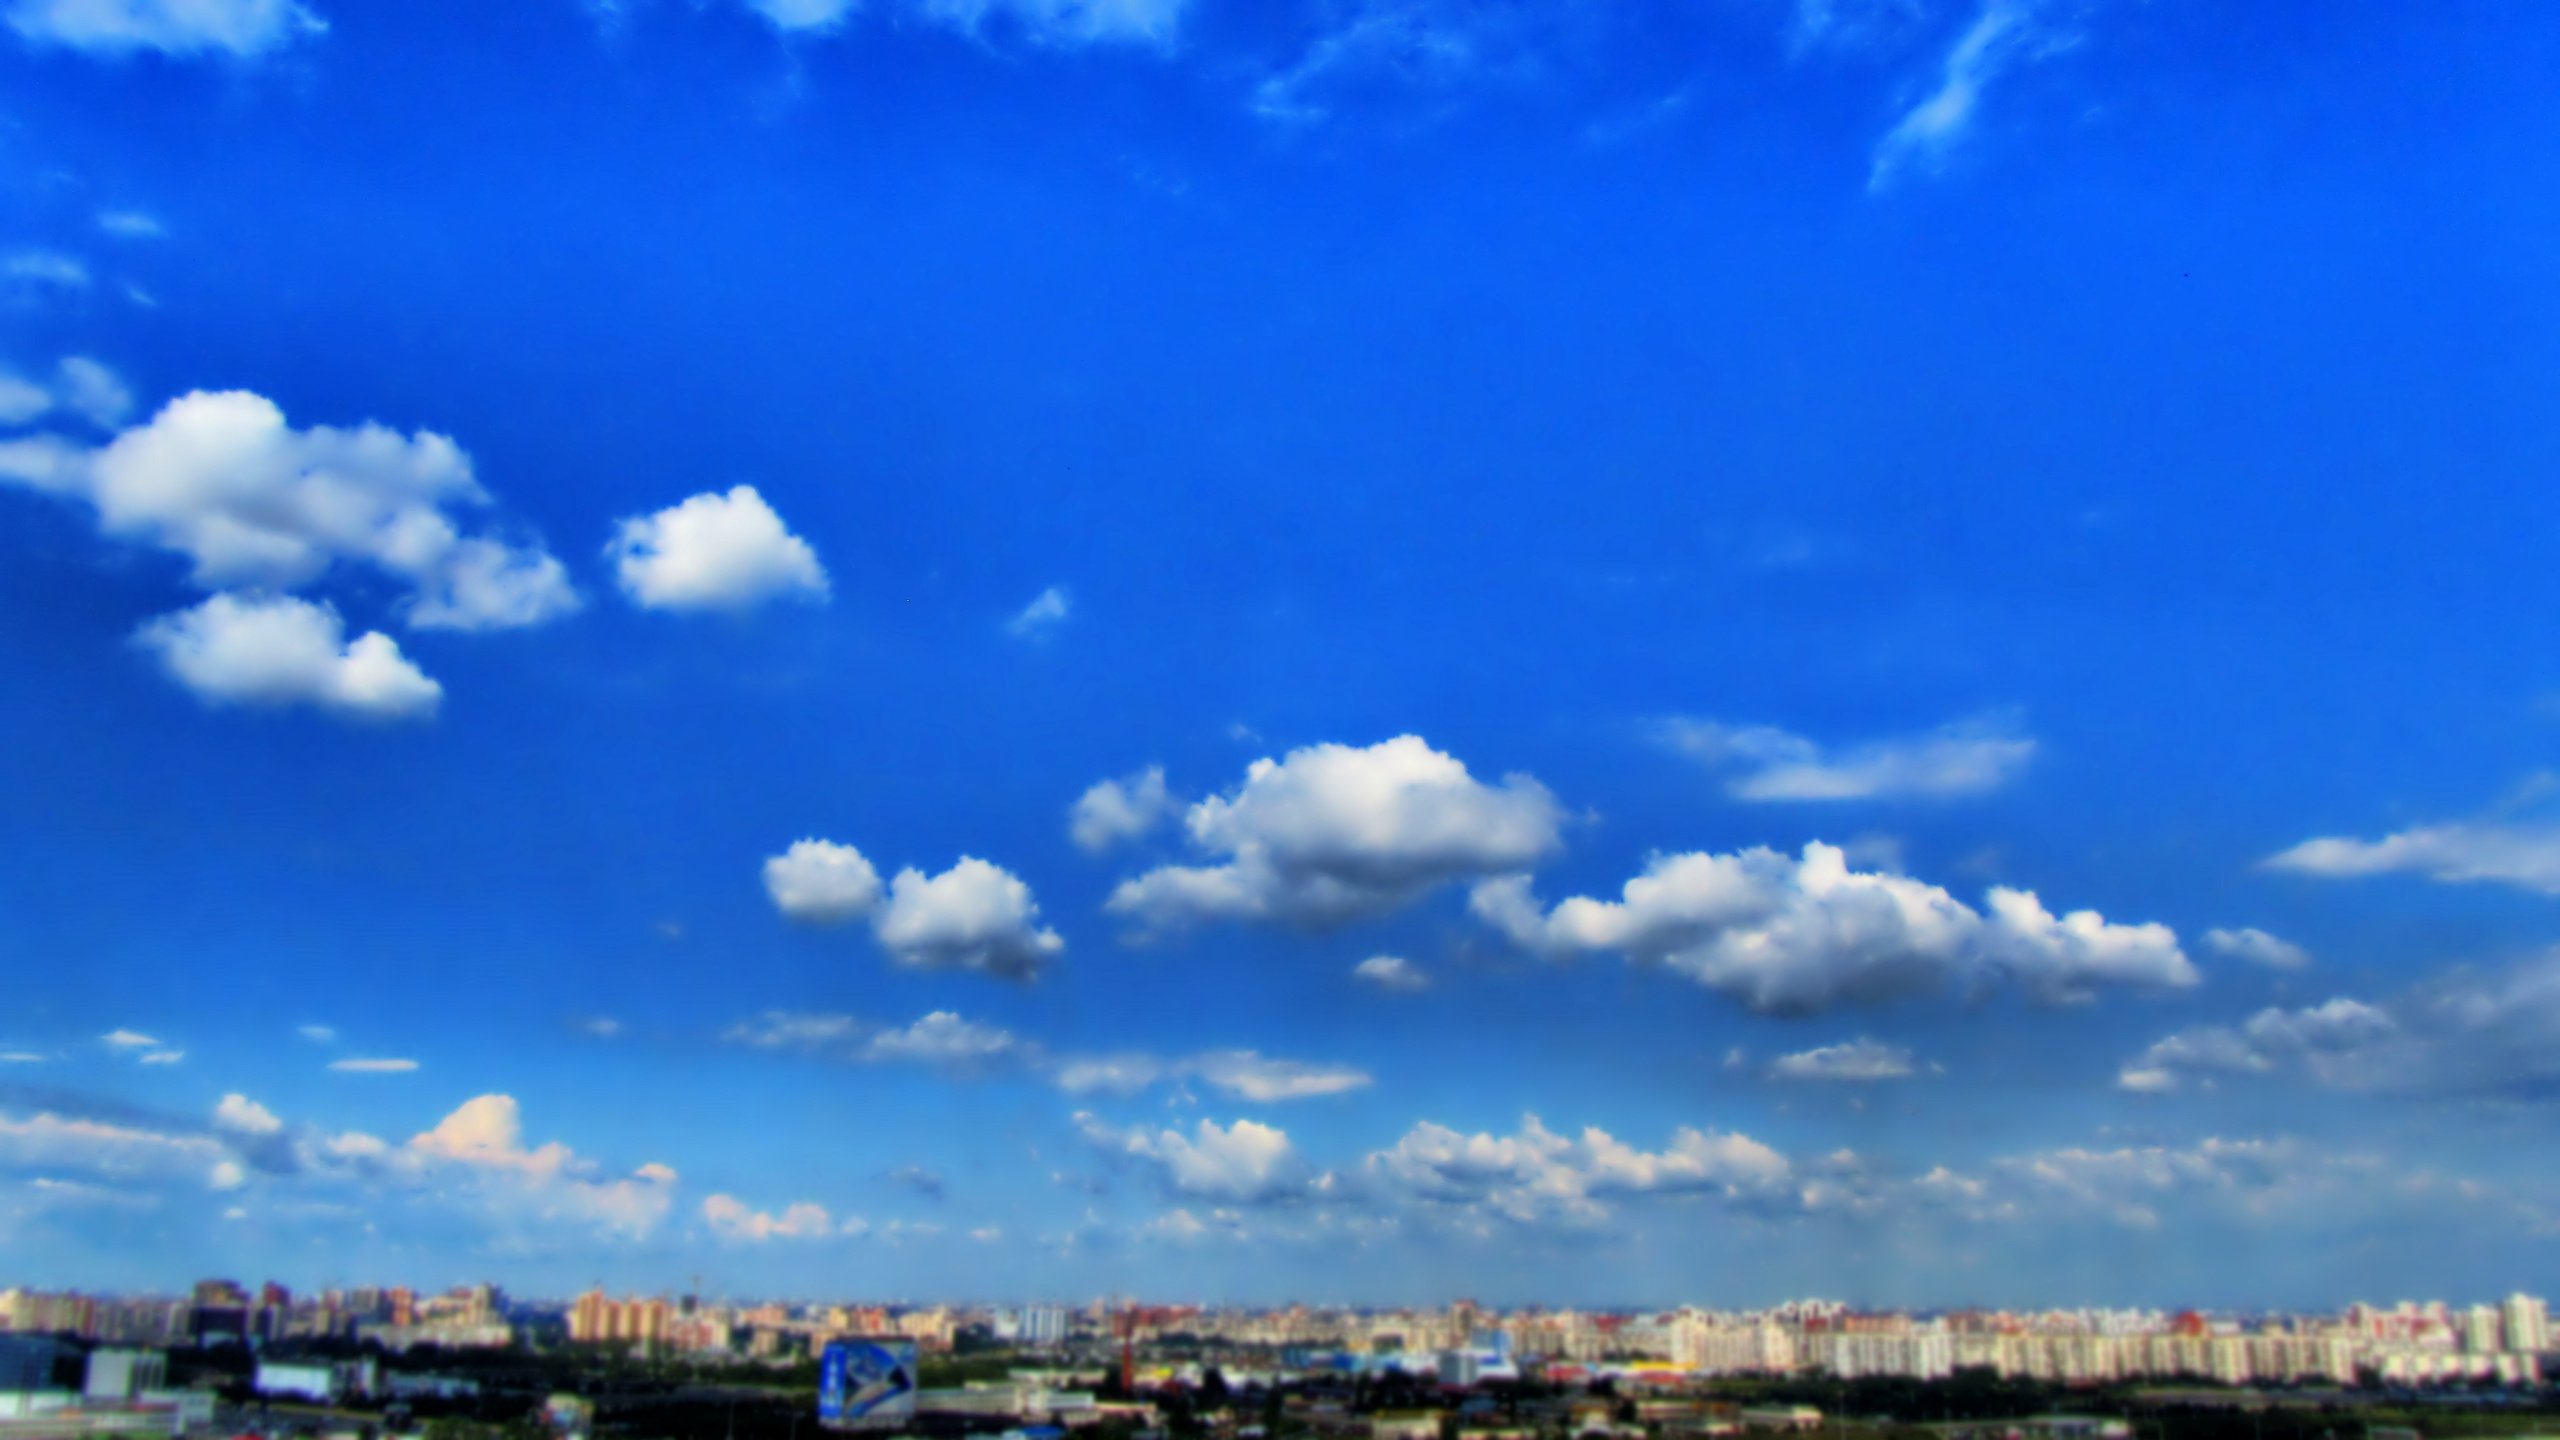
[863,1383]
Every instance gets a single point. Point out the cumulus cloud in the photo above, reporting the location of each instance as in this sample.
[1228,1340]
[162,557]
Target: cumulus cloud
[2004,35]
[242,1115]
[483,1139]
[1788,935]
[1391,972]
[2257,947]
[2464,1033]
[1536,1175]
[253,502]
[1765,763]
[714,552]
[1117,810]
[942,1038]
[1244,1163]
[732,1219]
[280,651]
[1859,1060]
[973,916]
[1041,618]
[1333,833]
[822,882]
[241,29]
[2523,855]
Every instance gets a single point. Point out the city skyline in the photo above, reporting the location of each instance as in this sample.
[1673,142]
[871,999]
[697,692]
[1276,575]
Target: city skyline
[1367,650]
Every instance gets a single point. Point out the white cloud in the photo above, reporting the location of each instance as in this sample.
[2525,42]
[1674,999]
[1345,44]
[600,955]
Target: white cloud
[2128,1184]
[21,1057]
[45,267]
[1793,936]
[243,1116]
[942,1038]
[21,399]
[383,1066]
[164,1057]
[786,1030]
[1967,758]
[822,882]
[239,28]
[1117,810]
[79,387]
[2462,1033]
[1861,1059]
[973,916]
[1042,22]
[2003,35]
[484,1140]
[253,502]
[131,224]
[1250,1075]
[128,1040]
[2258,948]
[227,1175]
[1537,1175]
[714,552]
[281,651]
[1391,972]
[2524,855]
[1246,1162]
[50,1141]
[1333,833]
[1430,49]
[317,1034]
[732,1219]
[1041,618]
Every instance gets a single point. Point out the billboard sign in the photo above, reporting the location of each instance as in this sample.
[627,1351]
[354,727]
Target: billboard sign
[867,1383]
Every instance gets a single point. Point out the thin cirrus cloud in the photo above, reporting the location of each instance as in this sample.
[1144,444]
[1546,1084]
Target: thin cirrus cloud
[2003,36]
[2525,855]
[1859,1061]
[1765,763]
[1783,934]
[1041,618]
[975,916]
[1058,23]
[45,269]
[238,29]
[714,551]
[1332,833]
[358,1065]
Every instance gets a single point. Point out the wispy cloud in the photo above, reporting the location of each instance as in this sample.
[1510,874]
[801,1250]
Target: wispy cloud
[375,1066]
[2004,35]
[1765,763]
[1041,618]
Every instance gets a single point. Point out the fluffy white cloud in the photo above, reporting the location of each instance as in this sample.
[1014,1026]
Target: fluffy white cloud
[973,916]
[484,1140]
[1041,618]
[1537,1175]
[942,1038]
[1117,810]
[127,1040]
[2524,855]
[241,1115]
[1391,972]
[239,28]
[2004,35]
[1788,935]
[714,552]
[732,1219]
[1334,833]
[253,502]
[280,650]
[1861,1059]
[2257,947]
[2463,1033]
[1246,1162]
[1967,758]
[360,1065]
[822,882]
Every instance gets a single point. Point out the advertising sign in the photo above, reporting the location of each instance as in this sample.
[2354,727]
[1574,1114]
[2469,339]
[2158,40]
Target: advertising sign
[866,1384]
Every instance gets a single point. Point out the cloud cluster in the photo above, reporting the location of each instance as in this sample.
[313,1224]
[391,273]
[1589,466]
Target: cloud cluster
[975,916]
[2464,1033]
[1332,833]
[1765,763]
[1244,1163]
[733,1220]
[1535,1175]
[79,389]
[1786,935]
[714,552]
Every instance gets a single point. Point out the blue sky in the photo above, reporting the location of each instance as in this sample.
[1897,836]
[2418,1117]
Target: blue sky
[1365,651]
